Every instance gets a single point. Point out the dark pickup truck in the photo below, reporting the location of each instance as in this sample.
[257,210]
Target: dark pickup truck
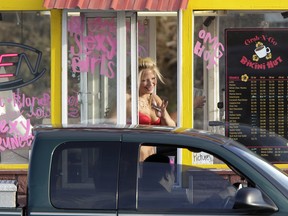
[120,171]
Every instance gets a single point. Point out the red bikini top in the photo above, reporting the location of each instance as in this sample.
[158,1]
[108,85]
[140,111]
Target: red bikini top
[144,119]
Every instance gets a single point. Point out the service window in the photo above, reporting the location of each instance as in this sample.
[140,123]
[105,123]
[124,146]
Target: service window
[84,175]
[101,60]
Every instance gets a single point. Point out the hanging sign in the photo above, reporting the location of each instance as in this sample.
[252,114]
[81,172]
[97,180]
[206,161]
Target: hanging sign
[21,65]
[256,90]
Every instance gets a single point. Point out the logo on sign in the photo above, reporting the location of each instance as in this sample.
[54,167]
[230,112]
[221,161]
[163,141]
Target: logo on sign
[13,63]
[262,57]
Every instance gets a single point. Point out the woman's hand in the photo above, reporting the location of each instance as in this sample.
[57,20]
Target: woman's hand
[160,110]
[199,101]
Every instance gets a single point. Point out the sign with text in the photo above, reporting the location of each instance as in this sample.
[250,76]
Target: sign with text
[257,89]
[14,63]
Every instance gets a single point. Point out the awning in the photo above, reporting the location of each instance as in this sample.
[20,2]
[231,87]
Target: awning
[128,5]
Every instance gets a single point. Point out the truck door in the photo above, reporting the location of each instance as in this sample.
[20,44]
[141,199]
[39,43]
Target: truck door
[84,179]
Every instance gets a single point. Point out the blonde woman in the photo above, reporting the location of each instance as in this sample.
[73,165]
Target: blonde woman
[152,109]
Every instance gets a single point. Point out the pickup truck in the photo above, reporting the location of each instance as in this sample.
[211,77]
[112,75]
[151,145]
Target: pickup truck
[103,170]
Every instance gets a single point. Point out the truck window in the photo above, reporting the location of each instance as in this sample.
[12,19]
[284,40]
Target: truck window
[84,175]
[165,184]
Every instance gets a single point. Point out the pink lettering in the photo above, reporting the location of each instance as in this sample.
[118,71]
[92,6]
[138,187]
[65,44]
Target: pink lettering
[199,49]
[15,142]
[73,101]
[208,55]
[243,60]
[26,126]
[38,112]
[79,65]
[73,106]
[272,41]
[111,75]
[112,44]
[252,40]
[73,112]
[78,39]
[95,49]
[6,142]
[13,127]
[3,127]
[208,38]
[5,56]
[2,148]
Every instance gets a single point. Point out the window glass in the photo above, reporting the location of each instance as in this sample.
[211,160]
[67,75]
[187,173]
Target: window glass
[157,39]
[92,63]
[92,66]
[167,27]
[166,184]
[84,175]
[245,87]
[24,81]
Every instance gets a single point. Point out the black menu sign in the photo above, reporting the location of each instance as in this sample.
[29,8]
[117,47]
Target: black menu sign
[257,90]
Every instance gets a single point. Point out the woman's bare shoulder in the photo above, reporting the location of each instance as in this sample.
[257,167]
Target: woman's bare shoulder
[157,98]
[128,96]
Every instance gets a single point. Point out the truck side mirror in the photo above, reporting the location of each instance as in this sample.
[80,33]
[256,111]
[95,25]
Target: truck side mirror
[252,198]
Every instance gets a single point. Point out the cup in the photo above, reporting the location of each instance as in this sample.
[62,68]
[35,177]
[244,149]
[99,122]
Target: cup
[262,51]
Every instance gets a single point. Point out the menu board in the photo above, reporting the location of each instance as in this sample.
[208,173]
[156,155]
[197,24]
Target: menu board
[256,103]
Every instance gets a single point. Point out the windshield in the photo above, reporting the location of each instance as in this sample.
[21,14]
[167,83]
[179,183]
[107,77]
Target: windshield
[271,172]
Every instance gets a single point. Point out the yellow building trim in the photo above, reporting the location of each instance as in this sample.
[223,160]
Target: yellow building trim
[13,166]
[187,69]
[238,5]
[282,166]
[213,166]
[225,167]
[204,166]
[22,5]
[56,67]
[187,77]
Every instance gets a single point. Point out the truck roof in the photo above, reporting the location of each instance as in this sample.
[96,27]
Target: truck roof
[146,130]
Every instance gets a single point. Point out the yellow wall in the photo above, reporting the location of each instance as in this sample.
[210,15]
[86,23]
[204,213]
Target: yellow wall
[56,68]
[10,5]
[238,5]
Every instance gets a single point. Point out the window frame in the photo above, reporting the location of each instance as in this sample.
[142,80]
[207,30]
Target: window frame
[121,63]
[193,211]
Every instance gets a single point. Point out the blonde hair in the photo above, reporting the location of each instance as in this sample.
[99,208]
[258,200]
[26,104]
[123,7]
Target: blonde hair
[149,63]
